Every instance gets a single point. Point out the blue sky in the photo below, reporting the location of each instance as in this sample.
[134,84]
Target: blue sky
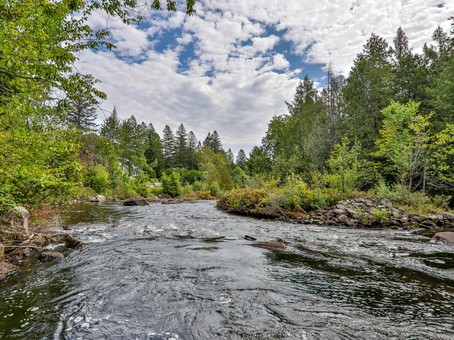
[232,66]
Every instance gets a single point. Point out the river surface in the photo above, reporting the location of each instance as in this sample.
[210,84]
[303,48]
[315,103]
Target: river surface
[185,271]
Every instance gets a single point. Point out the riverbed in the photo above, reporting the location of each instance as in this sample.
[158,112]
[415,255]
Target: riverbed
[185,271]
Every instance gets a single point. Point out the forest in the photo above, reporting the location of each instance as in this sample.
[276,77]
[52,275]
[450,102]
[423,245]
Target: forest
[386,129]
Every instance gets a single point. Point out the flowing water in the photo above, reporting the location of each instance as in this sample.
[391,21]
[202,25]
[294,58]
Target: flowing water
[185,271]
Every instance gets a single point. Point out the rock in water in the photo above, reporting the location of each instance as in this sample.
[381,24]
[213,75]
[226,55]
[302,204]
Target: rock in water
[249,238]
[271,245]
[6,269]
[136,201]
[444,236]
[51,256]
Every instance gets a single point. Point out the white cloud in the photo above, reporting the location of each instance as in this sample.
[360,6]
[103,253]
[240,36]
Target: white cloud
[237,80]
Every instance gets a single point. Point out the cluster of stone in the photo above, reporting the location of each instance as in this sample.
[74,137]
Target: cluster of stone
[372,212]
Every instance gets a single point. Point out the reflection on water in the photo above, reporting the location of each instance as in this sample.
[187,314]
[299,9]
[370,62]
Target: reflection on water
[185,272]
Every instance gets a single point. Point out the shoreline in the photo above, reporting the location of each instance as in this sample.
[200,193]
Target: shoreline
[365,212]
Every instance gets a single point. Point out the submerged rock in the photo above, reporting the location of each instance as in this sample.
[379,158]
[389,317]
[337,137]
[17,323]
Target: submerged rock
[270,245]
[444,236]
[136,201]
[50,256]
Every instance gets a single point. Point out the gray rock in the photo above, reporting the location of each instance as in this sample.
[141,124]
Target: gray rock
[386,202]
[428,224]
[344,219]
[444,236]
[338,211]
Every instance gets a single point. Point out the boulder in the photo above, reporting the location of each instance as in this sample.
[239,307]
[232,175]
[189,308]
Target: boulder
[7,269]
[270,245]
[444,236]
[50,256]
[136,201]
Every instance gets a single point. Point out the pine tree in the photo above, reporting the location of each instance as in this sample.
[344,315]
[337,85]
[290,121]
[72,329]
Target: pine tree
[181,147]
[110,127]
[369,90]
[153,149]
[207,141]
[241,159]
[216,145]
[192,149]
[230,156]
[168,147]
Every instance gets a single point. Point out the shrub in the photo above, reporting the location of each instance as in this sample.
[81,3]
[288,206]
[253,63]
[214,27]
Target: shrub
[97,178]
[171,184]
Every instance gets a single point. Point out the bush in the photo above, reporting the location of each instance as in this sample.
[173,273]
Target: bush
[97,179]
[214,189]
[171,184]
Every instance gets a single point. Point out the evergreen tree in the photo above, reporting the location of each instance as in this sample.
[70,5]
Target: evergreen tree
[110,127]
[258,162]
[241,159]
[230,156]
[369,90]
[332,98]
[192,149]
[411,75]
[207,141]
[168,147]
[216,145]
[153,149]
[181,147]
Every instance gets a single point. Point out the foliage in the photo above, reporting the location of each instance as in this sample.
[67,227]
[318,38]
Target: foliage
[97,178]
[171,184]
[344,165]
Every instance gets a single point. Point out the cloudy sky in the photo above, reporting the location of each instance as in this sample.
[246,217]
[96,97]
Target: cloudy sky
[232,66]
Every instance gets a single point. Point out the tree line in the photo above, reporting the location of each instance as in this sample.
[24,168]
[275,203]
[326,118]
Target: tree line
[390,121]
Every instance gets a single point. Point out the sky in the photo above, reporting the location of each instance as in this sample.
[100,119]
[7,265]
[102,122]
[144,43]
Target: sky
[232,66]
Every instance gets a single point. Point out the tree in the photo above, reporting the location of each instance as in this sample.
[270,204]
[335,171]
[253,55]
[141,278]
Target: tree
[192,149]
[241,159]
[344,165]
[110,127]
[258,162]
[230,156]
[181,147]
[299,141]
[332,98]
[153,149]
[368,91]
[404,142]
[411,75]
[213,142]
[168,147]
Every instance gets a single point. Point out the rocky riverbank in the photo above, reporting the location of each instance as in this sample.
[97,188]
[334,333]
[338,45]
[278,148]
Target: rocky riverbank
[19,245]
[371,212]
[365,212]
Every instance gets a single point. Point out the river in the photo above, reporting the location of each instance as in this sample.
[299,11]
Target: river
[185,271]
